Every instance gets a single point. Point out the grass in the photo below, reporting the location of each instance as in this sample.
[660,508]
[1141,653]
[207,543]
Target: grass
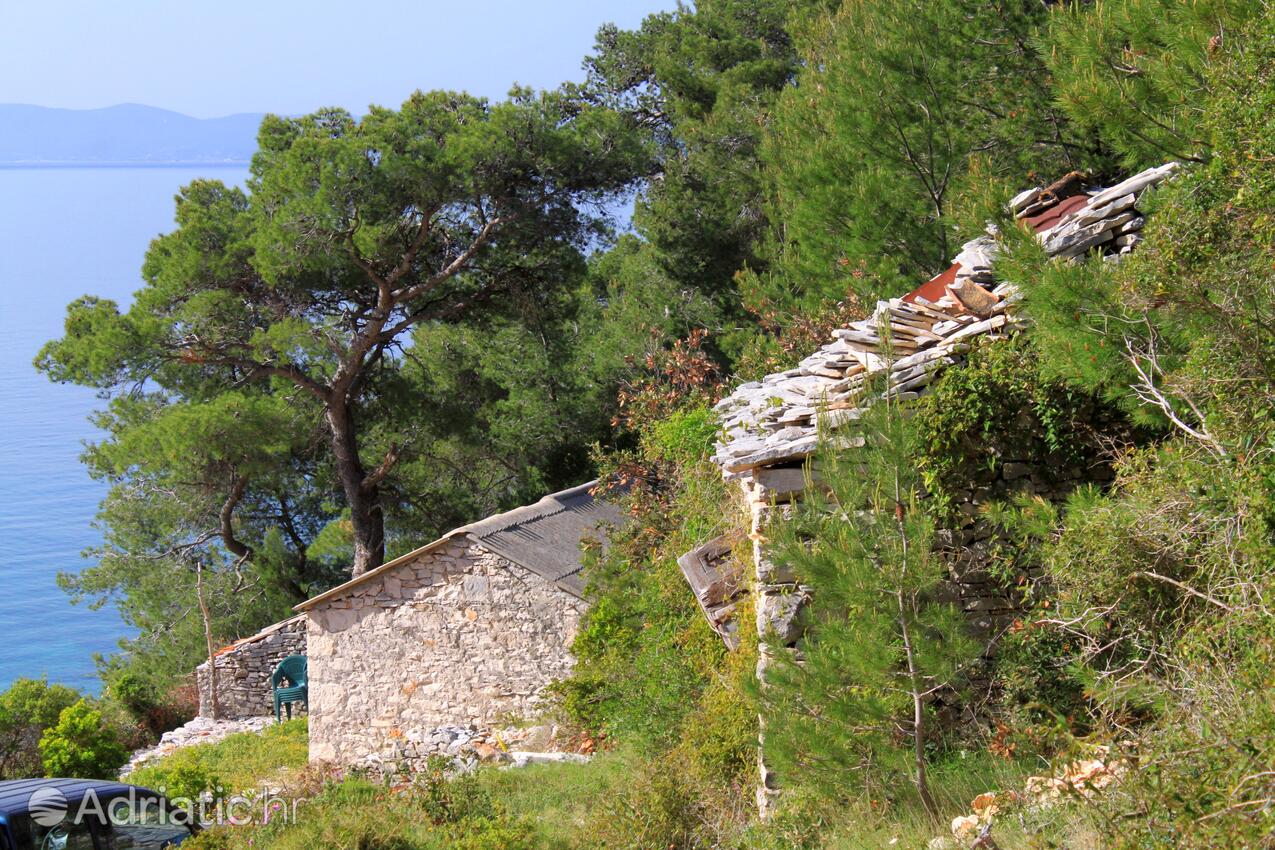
[541,806]
[556,807]
[823,825]
[238,762]
[557,800]
[360,815]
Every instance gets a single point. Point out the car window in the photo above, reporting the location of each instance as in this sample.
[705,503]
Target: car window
[61,836]
[143,827]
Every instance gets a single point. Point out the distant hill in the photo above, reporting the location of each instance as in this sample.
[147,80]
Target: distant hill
[124,134]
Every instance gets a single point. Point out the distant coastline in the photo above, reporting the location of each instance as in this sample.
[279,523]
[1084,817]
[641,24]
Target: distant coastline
[123,136]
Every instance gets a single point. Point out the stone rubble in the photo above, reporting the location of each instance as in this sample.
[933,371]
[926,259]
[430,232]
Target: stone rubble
[466,747]
[201,730]
[775,421]
[1078,780]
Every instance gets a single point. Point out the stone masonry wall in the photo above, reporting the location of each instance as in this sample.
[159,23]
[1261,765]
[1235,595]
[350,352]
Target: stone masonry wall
[459,636]
[244,669]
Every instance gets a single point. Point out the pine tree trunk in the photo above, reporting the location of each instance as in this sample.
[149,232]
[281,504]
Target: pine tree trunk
[918,714]
[915,682]
[366,517]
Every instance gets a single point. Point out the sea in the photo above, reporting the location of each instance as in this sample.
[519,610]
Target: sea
[64,232]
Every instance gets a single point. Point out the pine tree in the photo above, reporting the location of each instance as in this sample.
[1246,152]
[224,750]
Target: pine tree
[849,709]
[868,149]
[1134,72]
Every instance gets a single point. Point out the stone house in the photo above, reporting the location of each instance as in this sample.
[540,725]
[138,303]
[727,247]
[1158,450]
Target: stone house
[464,632]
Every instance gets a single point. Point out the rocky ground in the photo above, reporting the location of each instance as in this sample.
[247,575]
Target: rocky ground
[201,730]
[465,745]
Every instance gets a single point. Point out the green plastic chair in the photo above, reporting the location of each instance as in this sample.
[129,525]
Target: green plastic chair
[292,669]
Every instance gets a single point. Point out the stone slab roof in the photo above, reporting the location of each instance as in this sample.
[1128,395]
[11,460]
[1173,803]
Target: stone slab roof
[543,537]
[776,421]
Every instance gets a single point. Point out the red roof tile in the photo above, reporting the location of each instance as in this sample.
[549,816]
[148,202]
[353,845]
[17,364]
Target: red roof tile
[1056,213]
[933,289]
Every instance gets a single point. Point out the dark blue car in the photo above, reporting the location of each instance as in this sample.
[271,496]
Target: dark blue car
[83,814]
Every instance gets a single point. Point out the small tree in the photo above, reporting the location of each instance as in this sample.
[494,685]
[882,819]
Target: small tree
[81,745]
[27,708]
[850,711]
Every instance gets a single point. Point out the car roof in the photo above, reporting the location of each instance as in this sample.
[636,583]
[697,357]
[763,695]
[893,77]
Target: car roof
[15,794]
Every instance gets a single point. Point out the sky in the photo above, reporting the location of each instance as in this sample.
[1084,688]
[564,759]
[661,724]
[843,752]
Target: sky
[208,58]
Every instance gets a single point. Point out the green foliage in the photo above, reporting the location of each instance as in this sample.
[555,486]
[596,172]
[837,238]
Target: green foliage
[1202,777]
[238,763]
[700,82]
[1134,73]
[1158,583]
[869,148]
[1043,699]
[1172,333]
[644,651]
[366,339]
[878,635]
[450,799]
[270,420]
[27,709]
[685,438]
[134,692]
[999,406]
[183,775]
[697,790]
[630,311]
[81,746]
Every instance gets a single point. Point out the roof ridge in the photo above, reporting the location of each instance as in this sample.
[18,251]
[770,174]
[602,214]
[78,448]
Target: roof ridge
[478,530]
[515,515]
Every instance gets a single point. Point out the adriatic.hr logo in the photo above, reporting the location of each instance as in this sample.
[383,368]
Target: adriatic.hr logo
[47,806]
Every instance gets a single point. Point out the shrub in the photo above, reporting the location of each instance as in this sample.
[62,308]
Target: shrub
[134,693]
[656,808]
[27,708]
[1043,698]
[447,798]
[82,745]
[185,773]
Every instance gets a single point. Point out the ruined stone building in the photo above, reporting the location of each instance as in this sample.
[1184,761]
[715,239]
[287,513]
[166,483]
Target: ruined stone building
[770,428]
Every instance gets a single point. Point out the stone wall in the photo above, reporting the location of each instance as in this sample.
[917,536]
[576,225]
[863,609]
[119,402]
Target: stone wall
[456,637]
[244,669]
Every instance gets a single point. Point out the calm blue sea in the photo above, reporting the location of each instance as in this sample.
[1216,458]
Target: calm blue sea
[64,232]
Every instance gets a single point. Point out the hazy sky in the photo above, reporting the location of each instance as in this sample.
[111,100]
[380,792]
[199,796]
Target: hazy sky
[215,57]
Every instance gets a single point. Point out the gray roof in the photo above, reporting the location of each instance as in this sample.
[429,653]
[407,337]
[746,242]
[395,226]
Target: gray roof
[544,537]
